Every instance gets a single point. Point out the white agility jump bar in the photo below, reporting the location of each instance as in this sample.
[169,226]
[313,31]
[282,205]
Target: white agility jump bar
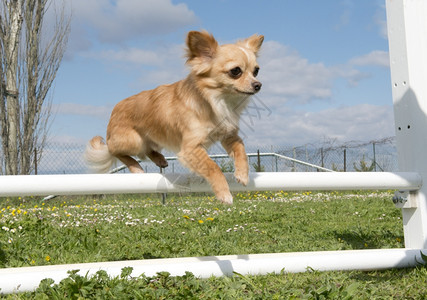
[28,278]
[42,185]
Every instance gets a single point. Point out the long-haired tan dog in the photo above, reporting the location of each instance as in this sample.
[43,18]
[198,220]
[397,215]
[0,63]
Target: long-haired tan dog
[188,116]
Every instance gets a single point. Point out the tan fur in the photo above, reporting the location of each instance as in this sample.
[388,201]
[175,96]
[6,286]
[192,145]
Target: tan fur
[187,116]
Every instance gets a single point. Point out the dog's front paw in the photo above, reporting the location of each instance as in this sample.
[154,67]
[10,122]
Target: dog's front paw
[242,177]
[226,198]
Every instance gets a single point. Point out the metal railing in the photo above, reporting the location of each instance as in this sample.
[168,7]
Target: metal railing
[214,156]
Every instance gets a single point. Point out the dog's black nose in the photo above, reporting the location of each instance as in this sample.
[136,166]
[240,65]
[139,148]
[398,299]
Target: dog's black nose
[256,86]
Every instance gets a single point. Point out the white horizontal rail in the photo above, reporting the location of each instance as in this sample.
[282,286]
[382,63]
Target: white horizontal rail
[39,185]
[300,162]
[28,278]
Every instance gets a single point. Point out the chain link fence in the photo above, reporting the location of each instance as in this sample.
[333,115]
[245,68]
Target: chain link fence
[374,156]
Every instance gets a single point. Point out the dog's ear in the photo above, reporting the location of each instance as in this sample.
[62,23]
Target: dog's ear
[201,49]
[201,44]
[253,43]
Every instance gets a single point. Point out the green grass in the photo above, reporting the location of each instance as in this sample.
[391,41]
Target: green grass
[126,227]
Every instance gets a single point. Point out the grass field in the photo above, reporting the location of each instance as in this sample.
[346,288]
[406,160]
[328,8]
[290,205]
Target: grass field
[126,227]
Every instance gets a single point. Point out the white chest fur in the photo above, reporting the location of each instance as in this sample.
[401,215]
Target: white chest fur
[227,113]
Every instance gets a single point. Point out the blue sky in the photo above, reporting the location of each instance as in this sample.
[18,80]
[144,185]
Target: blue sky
[324,64]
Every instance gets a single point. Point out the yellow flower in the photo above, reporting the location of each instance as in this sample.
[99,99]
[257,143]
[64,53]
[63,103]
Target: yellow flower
[209,219]
[186,217]
[47,258]
[200,221]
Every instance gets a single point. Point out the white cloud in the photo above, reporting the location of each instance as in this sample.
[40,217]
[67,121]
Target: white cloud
[286,126]
[136,57]
[121,20]
[160,65]
[374,58]
[285,74]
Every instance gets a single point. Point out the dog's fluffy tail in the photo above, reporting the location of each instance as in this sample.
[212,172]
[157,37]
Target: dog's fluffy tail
[97,155]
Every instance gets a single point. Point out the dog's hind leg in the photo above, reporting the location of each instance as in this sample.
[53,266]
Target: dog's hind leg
[131,163]
[158,159]
[124,143]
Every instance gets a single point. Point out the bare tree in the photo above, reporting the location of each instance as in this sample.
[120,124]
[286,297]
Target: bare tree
[28,68]
[10,31]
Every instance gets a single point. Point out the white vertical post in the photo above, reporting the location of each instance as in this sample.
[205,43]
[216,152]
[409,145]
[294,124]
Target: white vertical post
[407,34]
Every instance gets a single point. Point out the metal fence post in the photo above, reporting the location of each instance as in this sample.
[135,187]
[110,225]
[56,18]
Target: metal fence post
[345,159]
[162,171]
[375,157]
[306,157]
[321,154]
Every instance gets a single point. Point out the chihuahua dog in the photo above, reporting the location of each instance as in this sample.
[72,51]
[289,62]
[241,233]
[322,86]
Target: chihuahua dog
[188,116]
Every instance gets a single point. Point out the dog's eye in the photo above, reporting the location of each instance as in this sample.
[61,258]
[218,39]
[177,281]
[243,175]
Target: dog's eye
[256,70]
[235,72]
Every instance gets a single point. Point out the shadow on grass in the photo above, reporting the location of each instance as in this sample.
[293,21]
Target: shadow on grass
[147,255]
[2,257]
[369,240]
[381,276]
